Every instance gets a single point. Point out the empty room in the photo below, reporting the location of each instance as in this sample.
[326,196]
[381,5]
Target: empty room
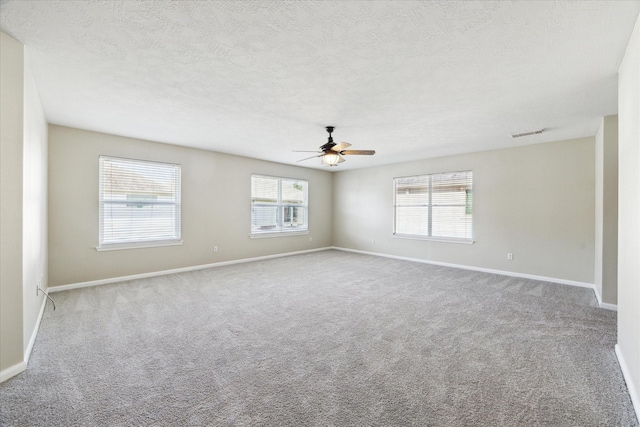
[320,213]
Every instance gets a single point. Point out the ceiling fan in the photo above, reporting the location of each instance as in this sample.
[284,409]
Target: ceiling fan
[331,153]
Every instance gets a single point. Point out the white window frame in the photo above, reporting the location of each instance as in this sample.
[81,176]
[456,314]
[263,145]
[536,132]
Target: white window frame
[280,229]
[428,234]
[104,242]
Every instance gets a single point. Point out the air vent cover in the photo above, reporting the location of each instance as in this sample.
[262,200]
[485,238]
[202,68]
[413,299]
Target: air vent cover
[533,132]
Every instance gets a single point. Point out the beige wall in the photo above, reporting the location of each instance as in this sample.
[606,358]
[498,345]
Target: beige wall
[34,236]
[606,216]
[216,198]
[535,201]
[628,214]
[23,216]
[11,152]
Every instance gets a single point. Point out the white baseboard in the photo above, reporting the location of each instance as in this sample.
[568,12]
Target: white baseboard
[34,333]
[12,371]
[481,269]
[91,283]
[598,296]
[20,367]
[633,391]
[612,307]
[243,260]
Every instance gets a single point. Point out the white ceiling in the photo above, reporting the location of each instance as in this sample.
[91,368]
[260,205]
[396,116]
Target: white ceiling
[410,79]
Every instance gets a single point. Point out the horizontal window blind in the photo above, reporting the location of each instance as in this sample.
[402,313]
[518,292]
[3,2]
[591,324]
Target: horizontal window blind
[436,205]
[412,205]
[278,205]
[139,201]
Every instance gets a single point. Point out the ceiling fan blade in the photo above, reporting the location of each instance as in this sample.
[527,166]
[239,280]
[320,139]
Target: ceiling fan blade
[341,146]
[307,158]
[358,152]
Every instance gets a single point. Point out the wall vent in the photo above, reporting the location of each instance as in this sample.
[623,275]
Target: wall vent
[533,132]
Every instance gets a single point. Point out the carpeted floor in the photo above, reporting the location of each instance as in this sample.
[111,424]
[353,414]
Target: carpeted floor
[329,338]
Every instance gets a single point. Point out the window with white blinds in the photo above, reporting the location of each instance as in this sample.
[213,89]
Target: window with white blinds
[278,205]
[139,203]
[438,206]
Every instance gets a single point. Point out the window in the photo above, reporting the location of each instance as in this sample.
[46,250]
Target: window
[437,206]
[278,205]
[139,203]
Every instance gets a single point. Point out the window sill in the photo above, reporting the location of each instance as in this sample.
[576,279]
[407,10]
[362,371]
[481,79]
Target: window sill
[435,239]
[278,234]
[123,246]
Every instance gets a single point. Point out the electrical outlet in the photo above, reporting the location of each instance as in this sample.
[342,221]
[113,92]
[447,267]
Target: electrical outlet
[215,249]
[510,256]
[373,241]
[310,239]
[38,286]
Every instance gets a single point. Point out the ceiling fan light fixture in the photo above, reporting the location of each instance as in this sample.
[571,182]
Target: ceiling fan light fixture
[331,159]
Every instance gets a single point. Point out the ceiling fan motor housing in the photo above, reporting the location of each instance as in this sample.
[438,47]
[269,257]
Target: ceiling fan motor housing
[328,146]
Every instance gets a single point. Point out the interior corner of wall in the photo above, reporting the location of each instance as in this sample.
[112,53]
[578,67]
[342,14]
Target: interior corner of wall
[12,371]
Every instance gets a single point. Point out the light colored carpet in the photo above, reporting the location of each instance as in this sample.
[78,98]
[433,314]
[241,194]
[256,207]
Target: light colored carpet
[329,338]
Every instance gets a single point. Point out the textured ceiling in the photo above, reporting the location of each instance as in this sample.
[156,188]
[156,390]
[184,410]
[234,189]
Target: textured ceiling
[408,79]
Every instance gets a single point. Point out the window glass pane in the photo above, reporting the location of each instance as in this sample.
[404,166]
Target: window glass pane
[294,216]
[412,191]
[125,223]
[125,179]
[412,220]
[264,189]
[451,221]
[293,192]
[279,205]
[264,218]
[450,189]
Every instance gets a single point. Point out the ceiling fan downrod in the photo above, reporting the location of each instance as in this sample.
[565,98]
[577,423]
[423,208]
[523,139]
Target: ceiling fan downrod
[330,144]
